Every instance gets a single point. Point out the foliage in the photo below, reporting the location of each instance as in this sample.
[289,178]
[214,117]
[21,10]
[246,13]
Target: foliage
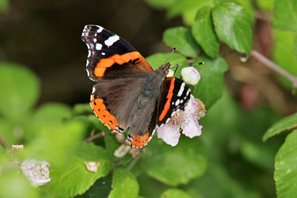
[229,160]
[285,167]
[3,5]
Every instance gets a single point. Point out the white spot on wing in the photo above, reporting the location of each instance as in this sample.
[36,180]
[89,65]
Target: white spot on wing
[93,89]
[177,102]
[94,40]
[89,53]
[100,29]
[181,89]
[188,92]
[111,40]
[87,62]
[103,53]
[98,46]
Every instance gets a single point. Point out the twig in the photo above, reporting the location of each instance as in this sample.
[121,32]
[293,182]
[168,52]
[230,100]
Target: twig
[275,67]
[95,136]
[133,163]
[263,16]
[3,143]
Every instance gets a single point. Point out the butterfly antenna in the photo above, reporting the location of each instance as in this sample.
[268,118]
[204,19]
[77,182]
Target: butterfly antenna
[173,50]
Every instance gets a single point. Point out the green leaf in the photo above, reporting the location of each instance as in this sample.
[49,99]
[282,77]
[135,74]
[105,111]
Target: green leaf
[11,132]
[180,7]
[73,178]
[19,90]
[82,109]
[124,184]
[156,60]
[285,15]
[46,116]
[181,39]
[266,5]
[233,26]
[173,58]
[15,185]
[51,113]
[288,123]
[211,85]
[248,6]
[285,53]
[4,5]
[285,167]
[203,32]
[175,165]
[56,143]
[225,185]
[176,60]
[258,154]
[101,187]
[160,4]
[175,193]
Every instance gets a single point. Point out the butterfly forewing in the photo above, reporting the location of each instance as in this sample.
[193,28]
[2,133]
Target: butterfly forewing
[110,56]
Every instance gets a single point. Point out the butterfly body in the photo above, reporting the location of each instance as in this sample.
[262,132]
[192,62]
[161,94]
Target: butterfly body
[129,95]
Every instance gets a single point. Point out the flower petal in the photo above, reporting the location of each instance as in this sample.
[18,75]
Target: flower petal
[191,127]
[191,106]
[169,133]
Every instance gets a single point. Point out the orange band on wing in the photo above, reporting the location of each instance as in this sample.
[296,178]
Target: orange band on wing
[103,114]
[169,98]
[140,141]
[104,63]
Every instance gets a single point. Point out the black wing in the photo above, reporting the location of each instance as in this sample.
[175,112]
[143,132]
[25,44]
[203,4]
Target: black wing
[110,56]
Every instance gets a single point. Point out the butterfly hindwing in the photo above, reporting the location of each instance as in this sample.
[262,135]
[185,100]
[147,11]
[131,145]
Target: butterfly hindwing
[128,103]
[110,56]
[112,99]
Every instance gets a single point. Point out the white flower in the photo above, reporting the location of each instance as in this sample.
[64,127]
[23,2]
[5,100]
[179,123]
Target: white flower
[190,75]
[92,166]
[17,147]
[36,171]
[185,122]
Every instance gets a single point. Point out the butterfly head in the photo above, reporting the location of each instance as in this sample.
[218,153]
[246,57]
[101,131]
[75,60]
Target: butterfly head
[164,69]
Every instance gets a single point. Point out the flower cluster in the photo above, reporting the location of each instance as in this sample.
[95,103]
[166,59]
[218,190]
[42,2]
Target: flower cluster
[186,121]
[36,171]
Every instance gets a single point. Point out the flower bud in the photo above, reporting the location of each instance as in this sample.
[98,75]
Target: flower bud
[190,75]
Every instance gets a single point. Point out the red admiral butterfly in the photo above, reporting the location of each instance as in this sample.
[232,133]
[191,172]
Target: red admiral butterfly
[129,94]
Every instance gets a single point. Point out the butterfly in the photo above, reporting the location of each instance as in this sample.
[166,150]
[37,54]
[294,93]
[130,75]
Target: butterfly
[129,95]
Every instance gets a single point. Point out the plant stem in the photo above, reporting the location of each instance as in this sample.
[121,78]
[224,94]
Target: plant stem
[261,58]
[3,143]
[95,136]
